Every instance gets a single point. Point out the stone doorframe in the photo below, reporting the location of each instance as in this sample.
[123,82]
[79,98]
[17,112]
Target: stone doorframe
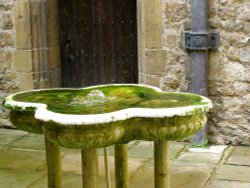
[37,54]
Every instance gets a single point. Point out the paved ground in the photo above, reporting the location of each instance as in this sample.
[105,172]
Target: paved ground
[22,164]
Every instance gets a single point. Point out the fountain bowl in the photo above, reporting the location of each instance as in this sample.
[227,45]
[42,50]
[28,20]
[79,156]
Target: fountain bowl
[99,116]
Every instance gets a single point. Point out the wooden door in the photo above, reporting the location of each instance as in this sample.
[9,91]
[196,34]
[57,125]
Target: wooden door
[98,42]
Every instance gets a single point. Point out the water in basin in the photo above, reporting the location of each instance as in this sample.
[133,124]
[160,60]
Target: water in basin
[95,97]
[106,99]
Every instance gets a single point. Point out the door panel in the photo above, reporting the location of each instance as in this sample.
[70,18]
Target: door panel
[98,42]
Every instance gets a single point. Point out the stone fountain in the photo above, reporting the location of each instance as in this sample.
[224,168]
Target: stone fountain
[100,116]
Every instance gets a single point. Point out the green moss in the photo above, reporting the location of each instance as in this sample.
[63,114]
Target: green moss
[25,120]
[205,145]
[129,96]
[103,135]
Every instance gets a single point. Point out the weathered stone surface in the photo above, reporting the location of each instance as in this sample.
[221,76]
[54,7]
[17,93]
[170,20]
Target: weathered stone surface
[153,24]
[23,61]
[29,142]
[244,12]
[227,122]
[22,25]
[241,151]
[8,79]
[232,172]
[174,79]
[34,160]
[55,78]
[239,160]
[26,81]
[71,164]
[54,61]
[228,184]
[71,180]
[247,27]
[52,23]
[15,172]
[199,157]
[8,136]
[190,174]
[1,60]
[7,21]
[6,39]
[228,72]
[153,58]
[153,80]
[244,54]
[17,178]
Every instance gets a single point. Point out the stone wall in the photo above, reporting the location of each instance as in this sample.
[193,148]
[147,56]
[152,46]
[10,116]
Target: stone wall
[30,51]
[229,72]
[175,18]
[8,79]
[229,66]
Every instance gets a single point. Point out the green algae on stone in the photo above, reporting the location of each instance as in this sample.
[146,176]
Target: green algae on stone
[103,135]
[80,118]
[73,101]
[101,116]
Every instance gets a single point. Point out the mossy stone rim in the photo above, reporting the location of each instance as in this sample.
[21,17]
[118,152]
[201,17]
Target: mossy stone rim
[42,113]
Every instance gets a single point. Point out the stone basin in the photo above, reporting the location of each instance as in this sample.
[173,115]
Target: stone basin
[104,115]
[123,113]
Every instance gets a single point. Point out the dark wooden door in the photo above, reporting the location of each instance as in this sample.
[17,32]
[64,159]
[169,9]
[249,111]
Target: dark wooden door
[98,42]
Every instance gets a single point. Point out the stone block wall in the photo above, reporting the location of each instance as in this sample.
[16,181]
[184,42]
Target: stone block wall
[30,51]
[229,65]
[229,72]
[9,81]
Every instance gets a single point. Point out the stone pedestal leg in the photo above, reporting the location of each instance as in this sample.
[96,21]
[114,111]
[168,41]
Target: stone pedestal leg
[53,158]
[90,168]
[107,169]
[161,164]
[121,166]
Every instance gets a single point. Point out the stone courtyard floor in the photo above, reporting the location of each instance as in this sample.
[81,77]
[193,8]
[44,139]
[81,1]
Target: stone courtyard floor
[22,164]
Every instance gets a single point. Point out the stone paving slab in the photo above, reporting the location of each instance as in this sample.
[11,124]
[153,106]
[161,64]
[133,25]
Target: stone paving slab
[240,156]
[211,149]
[144,178]
[29,141]
[71,164]
[241,151]
[183,175]
[234,173]
[145,149]
[25,160]
[228,184]
[239,160]
[72,181]
[22,164]
[199,157]
[187,174]
[18,179]
[8,136]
